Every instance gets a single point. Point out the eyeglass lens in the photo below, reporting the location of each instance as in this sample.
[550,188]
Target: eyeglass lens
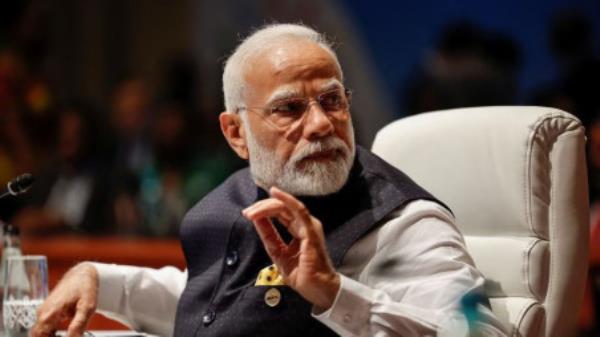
[288,111]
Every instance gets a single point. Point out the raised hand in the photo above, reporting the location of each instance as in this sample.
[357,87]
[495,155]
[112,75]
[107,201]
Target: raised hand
[73,299]
[304,262]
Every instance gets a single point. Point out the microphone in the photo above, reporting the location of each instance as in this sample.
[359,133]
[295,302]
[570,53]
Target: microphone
[18,185]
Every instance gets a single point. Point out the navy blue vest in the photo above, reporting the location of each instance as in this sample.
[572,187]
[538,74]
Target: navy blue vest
[224,253]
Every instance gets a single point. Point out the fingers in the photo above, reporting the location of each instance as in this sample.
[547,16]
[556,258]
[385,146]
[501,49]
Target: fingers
[273,208]
[280,201]
[83,314]
[271,239]
[47,320]
[308,225]
[267,208]
[73,297]
[291,212]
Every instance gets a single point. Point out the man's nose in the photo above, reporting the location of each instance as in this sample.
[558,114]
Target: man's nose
[317,124]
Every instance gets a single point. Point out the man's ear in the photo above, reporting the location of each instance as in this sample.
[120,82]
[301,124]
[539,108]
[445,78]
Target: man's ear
[233,130]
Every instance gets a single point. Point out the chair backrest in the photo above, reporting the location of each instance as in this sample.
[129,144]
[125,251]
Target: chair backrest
[516,179]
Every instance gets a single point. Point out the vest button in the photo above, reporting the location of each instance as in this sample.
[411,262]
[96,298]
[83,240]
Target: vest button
[208,317]
[232,258]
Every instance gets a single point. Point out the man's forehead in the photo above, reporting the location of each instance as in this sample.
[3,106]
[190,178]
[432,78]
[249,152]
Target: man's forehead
[291,62]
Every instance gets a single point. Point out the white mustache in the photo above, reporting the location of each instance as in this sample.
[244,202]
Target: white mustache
[328,144]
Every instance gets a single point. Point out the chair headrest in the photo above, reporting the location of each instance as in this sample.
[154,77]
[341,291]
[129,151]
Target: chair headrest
[492,165]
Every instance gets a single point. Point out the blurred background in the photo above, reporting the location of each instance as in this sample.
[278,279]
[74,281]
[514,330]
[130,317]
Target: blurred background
[113,104]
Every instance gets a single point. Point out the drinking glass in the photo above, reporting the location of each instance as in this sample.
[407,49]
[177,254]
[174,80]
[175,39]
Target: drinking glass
[25,288]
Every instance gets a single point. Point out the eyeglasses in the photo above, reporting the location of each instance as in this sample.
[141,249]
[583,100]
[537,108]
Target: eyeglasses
[290,112]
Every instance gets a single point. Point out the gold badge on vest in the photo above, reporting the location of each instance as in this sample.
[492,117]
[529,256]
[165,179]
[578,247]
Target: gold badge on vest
[269,276]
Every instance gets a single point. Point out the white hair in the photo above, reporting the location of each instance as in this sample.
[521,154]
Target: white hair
[255,44]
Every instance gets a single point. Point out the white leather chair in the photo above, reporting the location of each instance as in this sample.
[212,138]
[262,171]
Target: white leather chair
[515,177]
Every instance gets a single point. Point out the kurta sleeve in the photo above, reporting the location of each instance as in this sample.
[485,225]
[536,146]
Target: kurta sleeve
[143,298]
[406,278]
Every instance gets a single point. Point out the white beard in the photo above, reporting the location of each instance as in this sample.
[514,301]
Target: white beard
[312,178]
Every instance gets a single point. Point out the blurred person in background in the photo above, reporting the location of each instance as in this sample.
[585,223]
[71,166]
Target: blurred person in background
[188,155]
[161,196]
[130,118]
[130,151]
[24,34]
[162,161]
[177,174]
[469,67]
[70,195]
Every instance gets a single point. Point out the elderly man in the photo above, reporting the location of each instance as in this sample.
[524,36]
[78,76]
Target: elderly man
[357,248]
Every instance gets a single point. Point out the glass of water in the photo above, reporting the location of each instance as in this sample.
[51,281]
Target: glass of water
[25,288]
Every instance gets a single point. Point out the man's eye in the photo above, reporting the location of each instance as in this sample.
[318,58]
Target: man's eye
[331,101]
[291,108]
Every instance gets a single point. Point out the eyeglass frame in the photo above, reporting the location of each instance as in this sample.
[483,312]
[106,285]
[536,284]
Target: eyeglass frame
[347,95]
